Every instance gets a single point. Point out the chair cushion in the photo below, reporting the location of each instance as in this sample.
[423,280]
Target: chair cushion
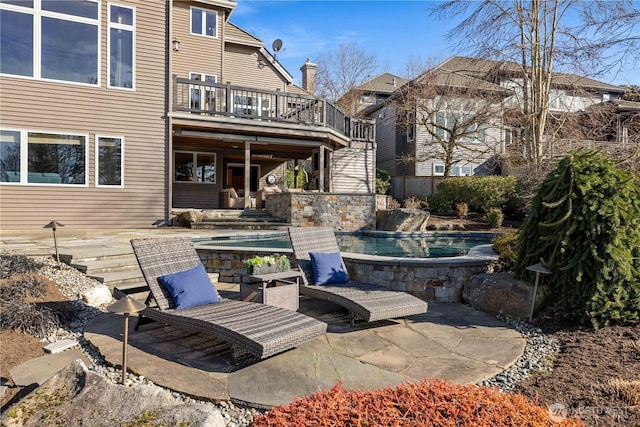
[328,268]
[190,288]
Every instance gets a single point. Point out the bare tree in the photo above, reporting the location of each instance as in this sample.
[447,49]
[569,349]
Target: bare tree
[342,69]
[543,36]
[415,66]
[450,117]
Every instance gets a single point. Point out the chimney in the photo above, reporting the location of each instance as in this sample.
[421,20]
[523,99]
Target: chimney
[309,76]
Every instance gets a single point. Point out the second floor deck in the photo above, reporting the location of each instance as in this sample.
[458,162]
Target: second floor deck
[215,99]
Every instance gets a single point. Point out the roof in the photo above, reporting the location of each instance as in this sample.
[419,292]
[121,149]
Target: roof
[235,34]
[385,83]
[453,79]
[480,67]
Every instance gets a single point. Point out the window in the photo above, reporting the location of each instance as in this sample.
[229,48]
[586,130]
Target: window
[438,170]
[56,159]
[9,156]
[459,170]
[202,97]
[463,125]
[109,161]
[194,167]
[251,105]
[47,39]
[204,22]
[121,46]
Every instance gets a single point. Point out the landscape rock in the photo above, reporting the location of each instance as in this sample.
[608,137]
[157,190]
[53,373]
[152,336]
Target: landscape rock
[186,218]
[97,296]
[500,293]
[77,396]
[402,220]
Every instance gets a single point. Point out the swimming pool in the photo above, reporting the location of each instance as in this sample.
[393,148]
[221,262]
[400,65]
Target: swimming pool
[412,245]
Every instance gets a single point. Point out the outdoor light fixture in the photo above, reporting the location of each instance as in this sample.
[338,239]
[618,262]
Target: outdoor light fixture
[176,45]
[537,268]
[54,225]
[125,306]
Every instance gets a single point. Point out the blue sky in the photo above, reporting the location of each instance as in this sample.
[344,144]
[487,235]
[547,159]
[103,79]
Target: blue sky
[392,30]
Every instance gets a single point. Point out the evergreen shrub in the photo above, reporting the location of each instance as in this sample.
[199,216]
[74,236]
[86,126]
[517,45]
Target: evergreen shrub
[584,225]
[495,217]
[480,193]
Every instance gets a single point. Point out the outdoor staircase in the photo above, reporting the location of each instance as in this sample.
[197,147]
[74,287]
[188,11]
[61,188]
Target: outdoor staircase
[117,269]
[237,219]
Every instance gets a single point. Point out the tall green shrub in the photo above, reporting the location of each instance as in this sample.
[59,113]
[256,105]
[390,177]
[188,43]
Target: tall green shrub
[584,225]
[480,193]
[383,181]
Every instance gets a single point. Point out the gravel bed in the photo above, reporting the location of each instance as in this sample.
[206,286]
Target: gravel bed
[538,354]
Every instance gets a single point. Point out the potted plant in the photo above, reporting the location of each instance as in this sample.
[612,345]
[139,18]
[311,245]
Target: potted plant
[266,264]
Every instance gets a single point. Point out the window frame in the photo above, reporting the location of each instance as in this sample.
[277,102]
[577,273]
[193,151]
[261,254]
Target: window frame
[204,94]
[194,170]
[438,165]
[38,13]
[23,153]
[203,22]
[96,142]
[124,27]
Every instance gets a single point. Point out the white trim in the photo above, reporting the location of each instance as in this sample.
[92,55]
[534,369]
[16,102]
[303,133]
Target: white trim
[124,27]
[24,158]
[204,21]
[202,77]
[97,161]
[435,165]
[37,14]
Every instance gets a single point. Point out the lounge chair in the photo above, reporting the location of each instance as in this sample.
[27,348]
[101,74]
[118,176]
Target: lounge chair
[367,301]
[258,329]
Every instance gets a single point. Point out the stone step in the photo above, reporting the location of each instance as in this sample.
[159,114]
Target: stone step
[82,256]
[105,265]
[240,225]
[123,277]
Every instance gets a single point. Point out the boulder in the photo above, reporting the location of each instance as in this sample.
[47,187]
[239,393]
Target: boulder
[402,220]
[500,293]
[97,296]
[77,396]
[186,218]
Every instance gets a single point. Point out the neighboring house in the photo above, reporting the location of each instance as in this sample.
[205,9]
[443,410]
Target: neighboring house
[370,92]
[113,114]
[464,78]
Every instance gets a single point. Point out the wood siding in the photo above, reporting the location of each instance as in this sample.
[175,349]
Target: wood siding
[353,171]
[242,69]
[197,53]
[386,138]
[137,115]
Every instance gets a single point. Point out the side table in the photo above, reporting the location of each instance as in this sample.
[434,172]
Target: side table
[275,289]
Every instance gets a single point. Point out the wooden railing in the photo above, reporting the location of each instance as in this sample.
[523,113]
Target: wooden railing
[217,99]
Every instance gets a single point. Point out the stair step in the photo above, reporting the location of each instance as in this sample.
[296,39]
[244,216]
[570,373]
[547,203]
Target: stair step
[132,289]
[123,277]
[240,225]
[81,257]
[105,265]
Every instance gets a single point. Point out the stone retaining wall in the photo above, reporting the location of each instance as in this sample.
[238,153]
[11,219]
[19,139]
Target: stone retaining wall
[341,211]
[430,279]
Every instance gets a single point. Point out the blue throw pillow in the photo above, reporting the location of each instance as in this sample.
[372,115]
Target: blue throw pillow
[328,268]
[190,288]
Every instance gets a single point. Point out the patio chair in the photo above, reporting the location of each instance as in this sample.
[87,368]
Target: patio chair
[258,329]
[367,301]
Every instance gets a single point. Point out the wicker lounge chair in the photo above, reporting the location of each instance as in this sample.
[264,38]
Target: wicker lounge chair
[258,329]
[366,301]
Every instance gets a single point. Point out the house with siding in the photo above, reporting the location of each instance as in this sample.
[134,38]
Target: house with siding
[406,148]
[115,113]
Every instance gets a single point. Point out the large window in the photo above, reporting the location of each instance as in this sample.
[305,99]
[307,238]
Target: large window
[251,105]
[121,46]
[43,158]
[204,22]
[194,167]
[109,161]
[50,39]
[463,125]
[56,159]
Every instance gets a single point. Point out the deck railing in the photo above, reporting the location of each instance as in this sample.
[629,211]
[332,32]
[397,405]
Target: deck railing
[218,99]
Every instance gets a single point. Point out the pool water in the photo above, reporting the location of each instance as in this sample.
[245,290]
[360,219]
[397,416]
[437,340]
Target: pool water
[408,247]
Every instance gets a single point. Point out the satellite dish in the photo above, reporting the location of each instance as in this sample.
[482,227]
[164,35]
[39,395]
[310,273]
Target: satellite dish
[277,45]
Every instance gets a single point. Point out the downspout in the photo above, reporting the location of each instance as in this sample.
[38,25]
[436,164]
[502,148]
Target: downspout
[168,99]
